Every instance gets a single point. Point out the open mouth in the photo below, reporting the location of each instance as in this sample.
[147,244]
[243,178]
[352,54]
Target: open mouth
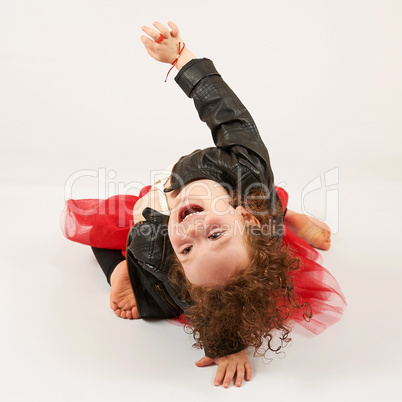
[189,210]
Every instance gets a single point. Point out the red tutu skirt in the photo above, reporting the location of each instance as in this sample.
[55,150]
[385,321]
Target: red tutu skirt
[106,223]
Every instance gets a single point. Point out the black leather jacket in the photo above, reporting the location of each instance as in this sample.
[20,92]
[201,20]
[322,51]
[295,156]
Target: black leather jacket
[238,161]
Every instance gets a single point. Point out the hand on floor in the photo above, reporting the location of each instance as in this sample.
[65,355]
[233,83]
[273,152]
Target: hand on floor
[236,364]
[122,299]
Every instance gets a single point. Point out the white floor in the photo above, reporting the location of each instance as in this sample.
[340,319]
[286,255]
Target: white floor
[80,97]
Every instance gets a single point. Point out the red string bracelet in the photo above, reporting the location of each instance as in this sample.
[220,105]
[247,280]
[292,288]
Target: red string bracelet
[175,61]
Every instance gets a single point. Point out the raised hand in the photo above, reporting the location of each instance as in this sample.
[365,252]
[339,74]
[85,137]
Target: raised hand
[164,50]
[164,44]
[228,366]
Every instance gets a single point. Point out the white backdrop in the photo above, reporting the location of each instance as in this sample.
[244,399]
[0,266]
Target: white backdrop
[78,92]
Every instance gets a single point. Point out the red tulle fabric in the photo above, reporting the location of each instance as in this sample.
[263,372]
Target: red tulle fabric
[106,223]
[100,223]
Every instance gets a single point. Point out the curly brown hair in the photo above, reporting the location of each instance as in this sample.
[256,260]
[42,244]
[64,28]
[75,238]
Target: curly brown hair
[254,303]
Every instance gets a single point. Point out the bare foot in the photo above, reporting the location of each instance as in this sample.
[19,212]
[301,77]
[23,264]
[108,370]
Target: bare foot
[312,230]
[122,300]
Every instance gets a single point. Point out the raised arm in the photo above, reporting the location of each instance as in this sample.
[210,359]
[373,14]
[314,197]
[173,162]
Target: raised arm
[231,124]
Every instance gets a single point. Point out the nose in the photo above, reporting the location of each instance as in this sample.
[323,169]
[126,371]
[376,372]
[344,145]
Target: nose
[195,229]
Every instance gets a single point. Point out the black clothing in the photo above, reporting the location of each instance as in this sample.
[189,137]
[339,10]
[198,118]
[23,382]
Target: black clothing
[240,159]
[108,260]
[239,162]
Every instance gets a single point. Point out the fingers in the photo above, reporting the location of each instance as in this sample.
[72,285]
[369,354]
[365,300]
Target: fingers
[239,376]
[229,366]
[150,45]
[164,51]
[227,371]
[230,372]
[225,374]
[248,371]
[153,33]
[205,361]
[163,30]
[220,373]
[175,30]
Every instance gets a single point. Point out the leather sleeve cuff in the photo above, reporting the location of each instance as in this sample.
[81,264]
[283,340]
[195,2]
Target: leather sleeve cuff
[193,72]
[224,349]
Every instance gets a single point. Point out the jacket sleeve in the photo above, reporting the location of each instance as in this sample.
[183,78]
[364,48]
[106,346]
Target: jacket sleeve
[231,124]
[223,348]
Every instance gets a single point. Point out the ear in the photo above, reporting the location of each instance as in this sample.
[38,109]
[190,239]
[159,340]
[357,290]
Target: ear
[247,216]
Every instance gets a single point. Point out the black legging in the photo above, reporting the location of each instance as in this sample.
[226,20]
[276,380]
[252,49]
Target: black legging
[108,260]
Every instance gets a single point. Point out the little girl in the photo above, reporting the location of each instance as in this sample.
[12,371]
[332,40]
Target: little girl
[214,238]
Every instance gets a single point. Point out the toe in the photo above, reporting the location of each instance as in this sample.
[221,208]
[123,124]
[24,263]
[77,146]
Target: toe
[324,244]
[134,312]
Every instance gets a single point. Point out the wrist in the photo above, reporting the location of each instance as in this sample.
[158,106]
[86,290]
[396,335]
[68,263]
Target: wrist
[184,58]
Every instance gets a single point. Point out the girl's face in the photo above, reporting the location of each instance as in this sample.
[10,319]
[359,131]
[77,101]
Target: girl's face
[206,233]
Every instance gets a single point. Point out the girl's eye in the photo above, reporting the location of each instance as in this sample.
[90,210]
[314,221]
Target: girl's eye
[215,236]
[187,250]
